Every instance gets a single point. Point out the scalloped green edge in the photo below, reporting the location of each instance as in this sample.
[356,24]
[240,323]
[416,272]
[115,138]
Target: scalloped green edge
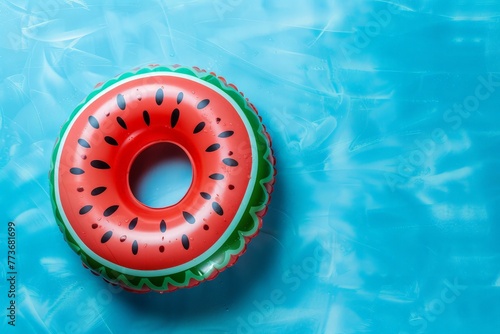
[235,244]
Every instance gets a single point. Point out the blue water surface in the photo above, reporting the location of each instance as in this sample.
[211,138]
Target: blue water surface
[385,126]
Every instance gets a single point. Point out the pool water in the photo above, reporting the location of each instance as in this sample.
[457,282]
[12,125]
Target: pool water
[385,124]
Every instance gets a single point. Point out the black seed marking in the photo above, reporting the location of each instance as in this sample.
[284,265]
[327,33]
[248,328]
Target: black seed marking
[135,247]
[99,164]
[94,226]
[185,242]
[174,118]
[199,127]
[93,122]
[205,195]
[111,141]
[230,162]
[217,208]
[216,176]
[106,236]
[85,209]
[159,96]
[109,211]
[120,100]
[133,223]
[121,122]
[179,97]
[97,191]
[145,115]
[83,143]
[226,134]
[76,171]
[203,104]
[213,147]
[206,227]
[189,217]
[163,226]
[161,249]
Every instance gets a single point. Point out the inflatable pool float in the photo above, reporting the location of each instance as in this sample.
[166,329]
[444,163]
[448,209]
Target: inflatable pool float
[162,249]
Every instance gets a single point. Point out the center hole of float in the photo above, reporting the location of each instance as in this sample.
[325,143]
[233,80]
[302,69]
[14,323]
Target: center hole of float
[160,175]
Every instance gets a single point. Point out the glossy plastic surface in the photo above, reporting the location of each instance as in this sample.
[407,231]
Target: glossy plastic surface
[143,248]
[379,223]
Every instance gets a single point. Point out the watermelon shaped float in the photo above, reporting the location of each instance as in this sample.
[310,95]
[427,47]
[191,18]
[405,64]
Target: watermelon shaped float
[161,249]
